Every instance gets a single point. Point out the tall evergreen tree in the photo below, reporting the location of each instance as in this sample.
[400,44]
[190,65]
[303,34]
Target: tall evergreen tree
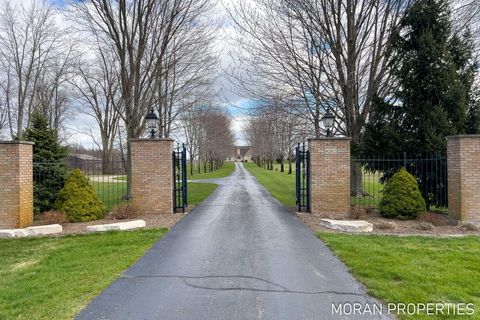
[435,69]
[473,119]
[49,168]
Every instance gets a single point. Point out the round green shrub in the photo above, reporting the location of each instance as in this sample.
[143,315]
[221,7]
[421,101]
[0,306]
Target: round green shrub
[78,199]
[402,198]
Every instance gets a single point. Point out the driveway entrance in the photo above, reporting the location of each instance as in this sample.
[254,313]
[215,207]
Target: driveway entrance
[239,255]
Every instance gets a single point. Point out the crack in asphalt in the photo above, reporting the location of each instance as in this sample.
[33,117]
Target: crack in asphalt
[283,288]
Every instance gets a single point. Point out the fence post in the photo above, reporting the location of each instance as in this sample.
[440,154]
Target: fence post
[463,163]
[16,184]
[330,175]
[152,179]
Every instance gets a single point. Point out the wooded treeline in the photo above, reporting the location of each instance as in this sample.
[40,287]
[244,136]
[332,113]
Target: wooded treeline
[209,140]
[272,132]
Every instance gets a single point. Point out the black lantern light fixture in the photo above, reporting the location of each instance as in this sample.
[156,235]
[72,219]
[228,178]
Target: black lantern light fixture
[328,120]
[152,121]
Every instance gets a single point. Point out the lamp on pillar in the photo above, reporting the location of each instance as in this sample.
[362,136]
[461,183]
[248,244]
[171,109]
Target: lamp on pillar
[328,120]
[152,121]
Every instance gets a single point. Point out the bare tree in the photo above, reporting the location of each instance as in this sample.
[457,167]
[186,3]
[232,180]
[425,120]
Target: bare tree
[321,54]
[216,139]
[3,118]
[274,49]
[185,70]
[145,36]
[99,94]
[209,138]
[52,96]
[192,124]
[29,43]
[261,137]
[466,13]
[273,133]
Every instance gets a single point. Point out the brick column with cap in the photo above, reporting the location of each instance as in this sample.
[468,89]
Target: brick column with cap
[329,175]
[463,157]
[16,184]
[152,175]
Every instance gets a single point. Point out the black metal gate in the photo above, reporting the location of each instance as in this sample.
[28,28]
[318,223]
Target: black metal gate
[179,178]
[302,181]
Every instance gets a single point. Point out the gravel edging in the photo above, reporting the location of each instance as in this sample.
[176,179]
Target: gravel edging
[402,228]
[152,221]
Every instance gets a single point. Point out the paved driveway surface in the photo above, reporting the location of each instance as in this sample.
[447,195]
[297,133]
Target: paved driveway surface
[239,255]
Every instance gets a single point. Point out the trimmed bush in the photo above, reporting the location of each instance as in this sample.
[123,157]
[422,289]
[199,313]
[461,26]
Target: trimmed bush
[53,217]
[402,198]
[78,199]
[124,211]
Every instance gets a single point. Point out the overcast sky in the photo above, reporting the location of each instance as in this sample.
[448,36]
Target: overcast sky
[229,96]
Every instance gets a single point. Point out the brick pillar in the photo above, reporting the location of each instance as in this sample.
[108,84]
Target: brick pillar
[463,158]
[329,175]
[152,175]
[16,184]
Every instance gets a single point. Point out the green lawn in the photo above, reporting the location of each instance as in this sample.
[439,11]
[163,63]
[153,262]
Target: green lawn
[281,185]
[413,269]
[373,190]
[54,278]
[226,170]
[197,192]
[277,167]
[111,193]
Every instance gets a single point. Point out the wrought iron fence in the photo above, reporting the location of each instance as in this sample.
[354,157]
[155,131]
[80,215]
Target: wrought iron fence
[179,157]
[369,175]
[302,178]
[109,180]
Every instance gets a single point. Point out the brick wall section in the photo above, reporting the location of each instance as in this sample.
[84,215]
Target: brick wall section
[330,175]
[152,175]
[16,184]
[463,158]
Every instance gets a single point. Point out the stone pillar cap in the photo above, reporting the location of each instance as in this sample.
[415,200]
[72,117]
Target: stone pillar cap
[330,138]
[17,142]
[463,136]
[150,139]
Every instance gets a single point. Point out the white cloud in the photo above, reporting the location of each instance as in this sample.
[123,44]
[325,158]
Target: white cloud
[238,129]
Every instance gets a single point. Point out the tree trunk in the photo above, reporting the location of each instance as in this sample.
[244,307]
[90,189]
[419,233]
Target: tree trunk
[356,181]
[129,170]
[191,166]
[107,167]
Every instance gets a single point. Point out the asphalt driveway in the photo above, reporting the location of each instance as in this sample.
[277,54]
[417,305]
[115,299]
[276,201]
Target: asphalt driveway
[239,255]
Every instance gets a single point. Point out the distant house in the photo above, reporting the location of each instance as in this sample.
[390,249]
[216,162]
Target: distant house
[85,162]
[241,153]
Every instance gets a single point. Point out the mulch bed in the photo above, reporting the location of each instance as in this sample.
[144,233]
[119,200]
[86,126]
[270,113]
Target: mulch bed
[425,224]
